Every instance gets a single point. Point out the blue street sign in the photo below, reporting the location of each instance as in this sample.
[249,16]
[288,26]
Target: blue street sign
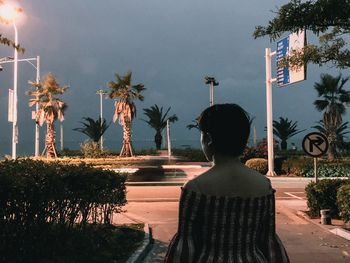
[286,75]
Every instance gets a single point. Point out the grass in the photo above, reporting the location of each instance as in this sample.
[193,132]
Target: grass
[56,244]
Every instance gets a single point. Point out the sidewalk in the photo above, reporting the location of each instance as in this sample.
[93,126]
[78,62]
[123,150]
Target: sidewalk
[305,242]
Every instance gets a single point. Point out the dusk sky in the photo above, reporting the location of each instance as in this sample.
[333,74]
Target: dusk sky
[168,45]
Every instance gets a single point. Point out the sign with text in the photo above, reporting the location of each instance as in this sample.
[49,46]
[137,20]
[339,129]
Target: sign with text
[289,75]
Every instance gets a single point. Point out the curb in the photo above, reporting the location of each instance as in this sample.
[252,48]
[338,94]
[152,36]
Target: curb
[141,252]
[336,230]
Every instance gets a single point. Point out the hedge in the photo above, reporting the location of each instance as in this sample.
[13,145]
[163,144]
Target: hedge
[258,164]
[343,202]
[323,195]
[35,193]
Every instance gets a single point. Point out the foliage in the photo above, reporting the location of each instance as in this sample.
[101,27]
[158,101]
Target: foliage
[333,99]
[94,129]
[343,202]
[297,165]
[323,195]
[70,153]
[328,19]
[158,121]
[284,129]
[91,149]
[93,243]
[125,109]
[262,147]
[193,125]
[35,193]
[51,108]
[328,170]
[190,154]
[252,152]
[147,152]
[258,164]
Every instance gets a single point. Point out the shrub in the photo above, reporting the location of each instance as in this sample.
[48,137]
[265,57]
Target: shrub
[36,193]
[328,170]
[343,202]
[70,153]
[91,149]
[323,195]
[296,166]
[190,154]
[258,164]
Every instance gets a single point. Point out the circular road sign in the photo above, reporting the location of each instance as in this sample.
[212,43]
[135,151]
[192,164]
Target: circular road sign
[315,144]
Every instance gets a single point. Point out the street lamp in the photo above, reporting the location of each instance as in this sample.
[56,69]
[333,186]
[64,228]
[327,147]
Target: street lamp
[37,67]
[9,13]
[101,93]
[212,82]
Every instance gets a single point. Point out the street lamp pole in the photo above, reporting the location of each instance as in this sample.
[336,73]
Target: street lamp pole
[14,108]
[15,99]
[37,141]
[212,82]
[101,93]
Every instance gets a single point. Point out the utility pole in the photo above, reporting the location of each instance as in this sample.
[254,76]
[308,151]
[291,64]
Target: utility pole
[211,81]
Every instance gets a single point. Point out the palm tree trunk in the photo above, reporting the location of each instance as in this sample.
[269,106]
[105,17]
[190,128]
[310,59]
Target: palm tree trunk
[283,145]
[127,150]
[50,141]
[158,140]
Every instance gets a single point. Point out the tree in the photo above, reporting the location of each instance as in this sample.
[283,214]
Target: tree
[51,108]
[158,121]
[125,108]
[328,19]
[284,129]
[340,135]
[193,125]
[334,99]
[94,129]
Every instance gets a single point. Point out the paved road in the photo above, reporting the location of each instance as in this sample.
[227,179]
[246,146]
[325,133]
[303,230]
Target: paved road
[305,242]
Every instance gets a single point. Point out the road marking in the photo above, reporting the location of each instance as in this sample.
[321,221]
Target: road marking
[294,196]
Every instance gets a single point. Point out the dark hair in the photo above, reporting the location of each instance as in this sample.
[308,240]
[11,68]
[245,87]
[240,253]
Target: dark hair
[229,127]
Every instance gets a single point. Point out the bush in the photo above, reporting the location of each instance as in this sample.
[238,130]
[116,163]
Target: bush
[70,153]
[258,164]
[297,166]
[328,170]
[91,149]
[190,154]
[36,193]
[343,202]
[323,195]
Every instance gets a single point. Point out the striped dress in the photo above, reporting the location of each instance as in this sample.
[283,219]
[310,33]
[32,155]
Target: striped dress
[226,229]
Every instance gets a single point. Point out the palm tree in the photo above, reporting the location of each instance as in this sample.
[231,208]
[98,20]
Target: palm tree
[94,129]
[158,121]
[341,132]
[125,109]
[284,129]
[51,108]
[334,99]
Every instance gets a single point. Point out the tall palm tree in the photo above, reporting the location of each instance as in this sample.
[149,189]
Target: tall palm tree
[333,101]
[51,108]
[284,129]
[94,129]
[341,132]
[158,121]
[125,109]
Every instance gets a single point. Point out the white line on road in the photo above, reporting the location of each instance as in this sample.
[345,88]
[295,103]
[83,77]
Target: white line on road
[294,196]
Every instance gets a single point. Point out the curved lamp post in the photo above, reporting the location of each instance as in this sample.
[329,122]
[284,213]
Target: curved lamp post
[37,68]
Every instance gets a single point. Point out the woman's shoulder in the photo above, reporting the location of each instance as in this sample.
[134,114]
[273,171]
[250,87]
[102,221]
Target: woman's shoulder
[245,183]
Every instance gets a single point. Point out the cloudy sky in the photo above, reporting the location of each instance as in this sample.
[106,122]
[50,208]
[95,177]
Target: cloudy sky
[168,45]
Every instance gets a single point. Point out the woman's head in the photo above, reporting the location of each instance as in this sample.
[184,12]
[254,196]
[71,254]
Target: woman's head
[225,129]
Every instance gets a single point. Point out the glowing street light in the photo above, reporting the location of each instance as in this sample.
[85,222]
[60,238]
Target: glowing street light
[8,13]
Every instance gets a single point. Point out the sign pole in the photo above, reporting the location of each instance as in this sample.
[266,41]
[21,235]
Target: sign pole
[315,169]
[169,141]
[269,81]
